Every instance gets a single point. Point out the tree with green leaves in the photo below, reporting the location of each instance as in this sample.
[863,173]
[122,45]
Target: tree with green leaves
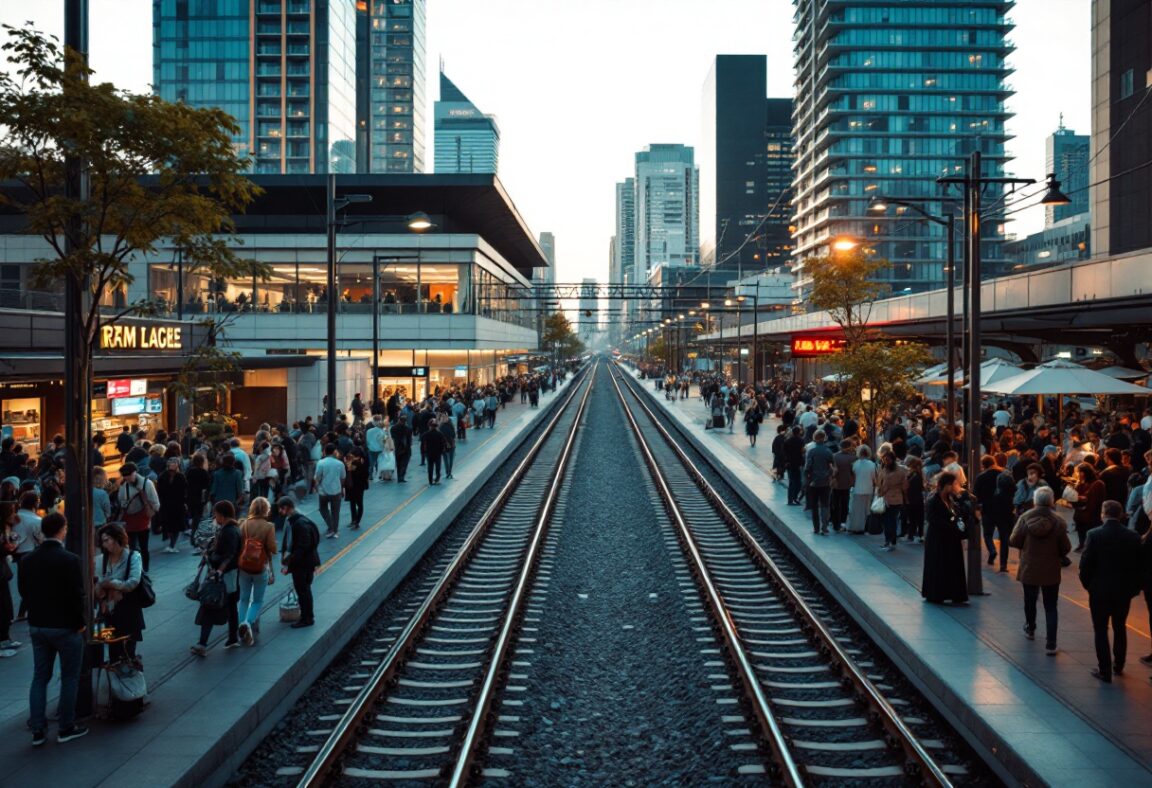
[558,334]
[876,373]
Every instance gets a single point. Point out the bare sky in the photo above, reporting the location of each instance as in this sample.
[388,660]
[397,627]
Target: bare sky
[578,86]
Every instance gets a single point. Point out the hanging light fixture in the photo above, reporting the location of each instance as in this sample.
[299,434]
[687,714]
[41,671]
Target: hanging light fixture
[1054,196]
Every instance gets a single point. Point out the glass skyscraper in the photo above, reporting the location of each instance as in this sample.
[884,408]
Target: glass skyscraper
[1067,159]
[890,96]
[466,139]
[667,206]
[390,93]
[285,69]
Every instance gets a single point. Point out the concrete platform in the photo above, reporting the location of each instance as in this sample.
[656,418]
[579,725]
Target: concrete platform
[202,712]
[1040,719]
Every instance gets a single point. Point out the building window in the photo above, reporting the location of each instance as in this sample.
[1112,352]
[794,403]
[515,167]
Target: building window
[1127,84]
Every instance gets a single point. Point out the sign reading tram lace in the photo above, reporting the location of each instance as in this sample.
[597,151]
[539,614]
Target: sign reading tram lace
[815,346]
[140,337]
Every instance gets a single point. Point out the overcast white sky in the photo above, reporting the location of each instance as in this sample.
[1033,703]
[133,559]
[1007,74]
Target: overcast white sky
[579,86]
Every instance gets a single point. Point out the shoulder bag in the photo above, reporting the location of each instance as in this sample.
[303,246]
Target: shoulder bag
[213,593]
[144,593]
[192,590]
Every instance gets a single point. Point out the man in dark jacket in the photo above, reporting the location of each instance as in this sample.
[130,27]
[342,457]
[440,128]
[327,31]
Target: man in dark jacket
[1115,476]
[402,442]
[433,447]
[1041,536]
[449,433]
[300,557]
[794,464]
[819,467]
[51,580]
[842,483]
[1110,571]
[125,442]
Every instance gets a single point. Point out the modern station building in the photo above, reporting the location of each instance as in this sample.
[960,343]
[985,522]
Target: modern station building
[451,304]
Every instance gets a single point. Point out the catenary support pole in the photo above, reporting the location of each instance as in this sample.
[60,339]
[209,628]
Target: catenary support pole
[975,550]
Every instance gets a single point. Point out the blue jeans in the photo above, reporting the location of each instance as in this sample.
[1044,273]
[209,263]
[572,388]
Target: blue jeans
[890,520]
[373,462]
[47,642]
[252,589]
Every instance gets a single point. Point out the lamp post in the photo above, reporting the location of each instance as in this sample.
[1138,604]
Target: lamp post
[879,205]
[335,205]
[973,182]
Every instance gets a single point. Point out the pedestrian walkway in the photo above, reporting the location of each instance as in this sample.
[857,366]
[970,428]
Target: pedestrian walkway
[202,711]
[1040,714]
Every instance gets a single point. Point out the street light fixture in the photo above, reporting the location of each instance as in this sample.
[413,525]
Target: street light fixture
[880,204]
[844,244]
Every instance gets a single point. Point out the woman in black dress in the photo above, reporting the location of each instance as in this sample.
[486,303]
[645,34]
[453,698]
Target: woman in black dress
[172,489]
[944,573]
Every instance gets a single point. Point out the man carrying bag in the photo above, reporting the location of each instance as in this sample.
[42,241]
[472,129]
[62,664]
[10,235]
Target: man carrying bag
[300,557]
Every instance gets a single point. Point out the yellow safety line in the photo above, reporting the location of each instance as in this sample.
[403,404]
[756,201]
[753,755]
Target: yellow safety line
[1137,630]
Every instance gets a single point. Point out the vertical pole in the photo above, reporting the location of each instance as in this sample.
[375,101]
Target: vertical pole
[179,283]
[375,329]
[950,330]
[755,333]
[975,552]
[739,343]
[78,370]
[330,417]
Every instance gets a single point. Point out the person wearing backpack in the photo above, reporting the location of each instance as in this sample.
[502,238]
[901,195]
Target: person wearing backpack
[138,501]
[300,557]
[257,546]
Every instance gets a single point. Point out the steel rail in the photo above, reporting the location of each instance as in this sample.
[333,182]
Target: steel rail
[790,771]
[478,725]
[919,757]
[327,759]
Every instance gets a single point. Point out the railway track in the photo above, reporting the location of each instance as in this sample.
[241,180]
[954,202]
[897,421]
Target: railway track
[423,711]
[823,715]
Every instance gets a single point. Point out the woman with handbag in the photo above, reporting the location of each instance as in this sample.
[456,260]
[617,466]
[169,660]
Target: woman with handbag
[219,593]
[1089,503]
[891,484]
[120,575]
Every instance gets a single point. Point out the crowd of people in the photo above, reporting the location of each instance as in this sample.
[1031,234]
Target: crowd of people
[234,506]
[1038,481]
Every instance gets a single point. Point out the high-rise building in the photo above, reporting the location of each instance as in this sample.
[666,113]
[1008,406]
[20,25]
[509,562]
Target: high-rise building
[285,69]
[624,241]
[1121,126]
[1067,158]
[746,167]
[548,246]
[390,95]
[667,211]
[889,97]
[466,140]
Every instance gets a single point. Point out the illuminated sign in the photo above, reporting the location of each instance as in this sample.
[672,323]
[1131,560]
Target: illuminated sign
[402,372]
[815,346]
[118,337]
[137,387]
[127,406]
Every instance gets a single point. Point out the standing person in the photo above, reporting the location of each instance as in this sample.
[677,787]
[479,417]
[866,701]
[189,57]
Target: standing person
[120,574]
[52,582]
[794,464]
[138,503]
[449,433]
[27,537]
[433,447]
[221,559]
[374,441]
[944,576]
[300,558]
[819,466]
[330,476]
[261,469]
[198,483]
[387,465]
[227,482]
[842,484]
[356,466]
[279,471]
[172,491]
[864,473]
[779,463]
[124,442]
[357,408]
[1041,536]
[402,440]
[752,419]
[8,520]
[996,519]
[914,508]
[1110,572]
[892,485]
[254,567]
[1090,491]
[101,503]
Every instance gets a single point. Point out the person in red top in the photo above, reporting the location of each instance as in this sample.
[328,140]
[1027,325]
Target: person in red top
[138,503]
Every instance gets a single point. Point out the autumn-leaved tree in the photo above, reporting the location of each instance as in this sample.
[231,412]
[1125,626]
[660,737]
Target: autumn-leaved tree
[845,285]
[558,334]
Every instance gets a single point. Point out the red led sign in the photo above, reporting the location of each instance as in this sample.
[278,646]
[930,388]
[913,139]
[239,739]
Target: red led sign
[815,346]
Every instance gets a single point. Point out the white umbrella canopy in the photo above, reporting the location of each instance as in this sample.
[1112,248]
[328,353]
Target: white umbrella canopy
[934,374]
[991,371]
[1122,373]
[1062,377]
[836,377]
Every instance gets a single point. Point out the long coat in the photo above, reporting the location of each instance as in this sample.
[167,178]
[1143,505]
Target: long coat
[944,573]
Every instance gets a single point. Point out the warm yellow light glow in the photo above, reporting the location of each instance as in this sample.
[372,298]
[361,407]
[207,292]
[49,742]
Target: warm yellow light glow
[844,244]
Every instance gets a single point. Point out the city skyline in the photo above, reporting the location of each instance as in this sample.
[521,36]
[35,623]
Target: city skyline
[536,82]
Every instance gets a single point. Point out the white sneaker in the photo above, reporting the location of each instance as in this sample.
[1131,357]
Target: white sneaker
[7,652]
